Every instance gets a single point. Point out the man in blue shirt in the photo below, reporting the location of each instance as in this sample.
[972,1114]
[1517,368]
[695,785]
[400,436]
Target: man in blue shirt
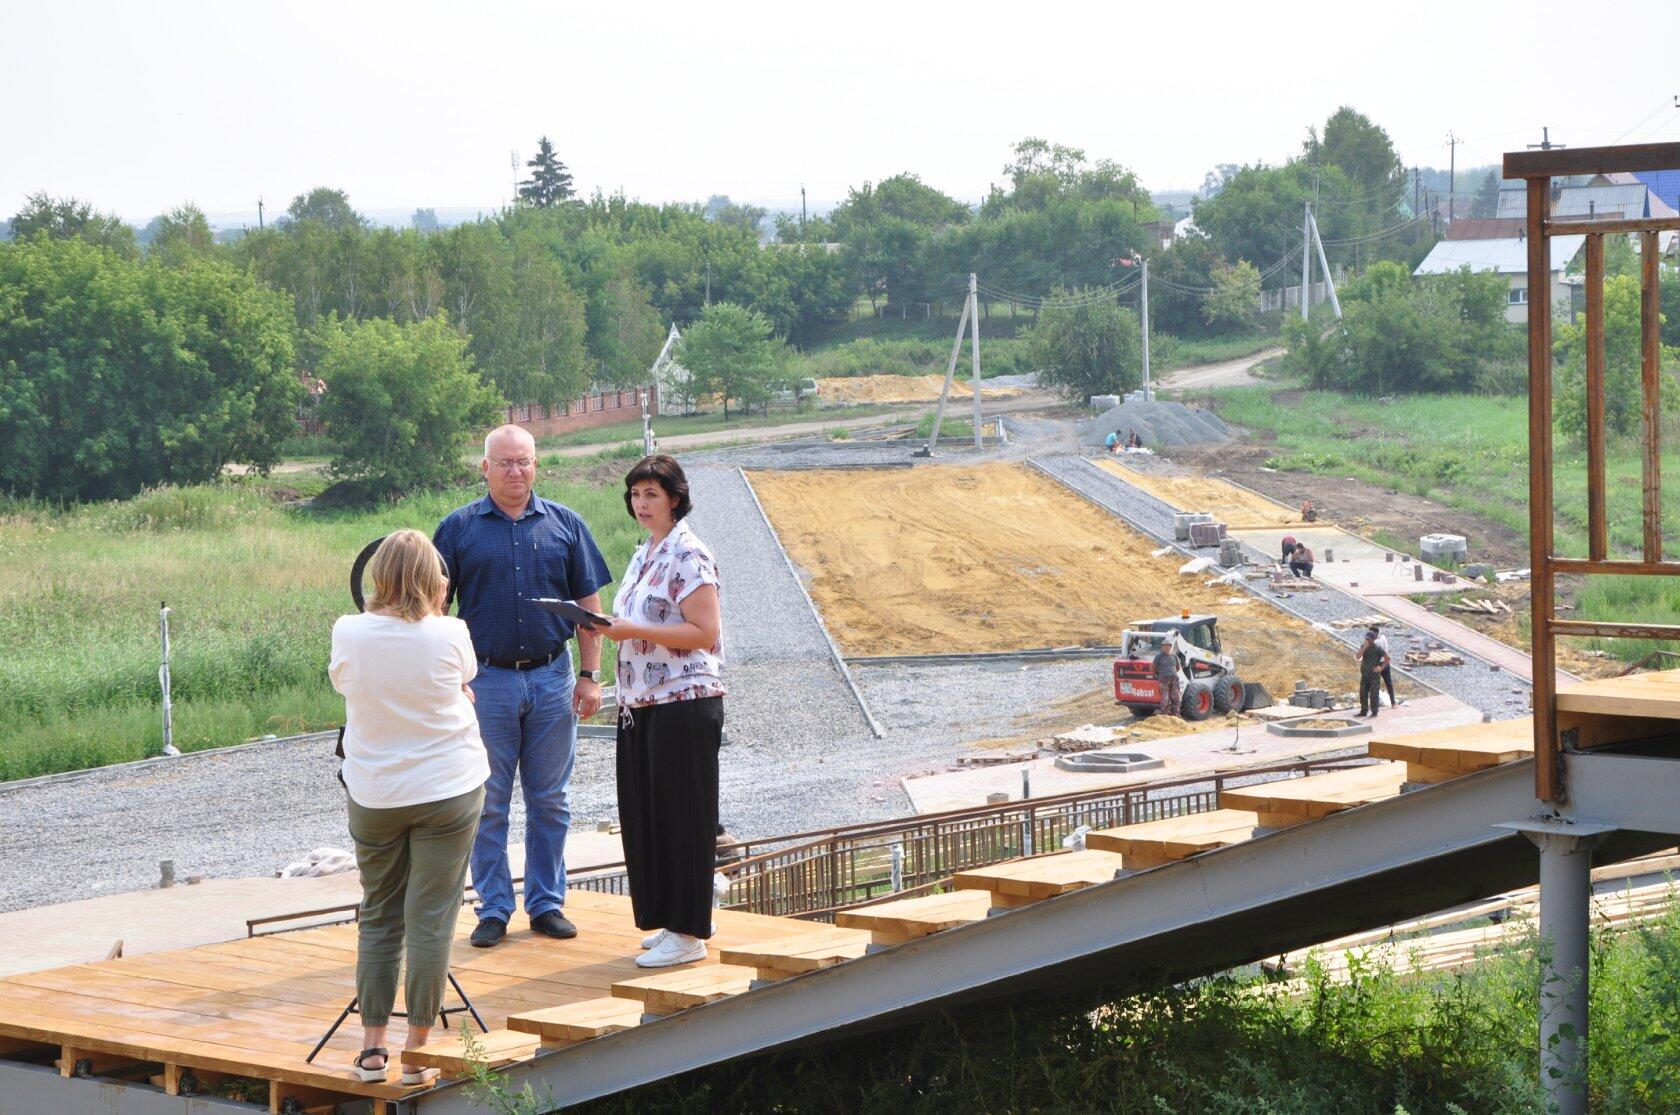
[502,551]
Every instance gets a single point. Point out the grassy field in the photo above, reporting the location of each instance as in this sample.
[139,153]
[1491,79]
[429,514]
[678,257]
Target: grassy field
[253,586]
[1382,1044]
[1471,452]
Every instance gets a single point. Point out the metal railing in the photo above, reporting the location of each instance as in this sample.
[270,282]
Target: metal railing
[813,874]
[1537,169]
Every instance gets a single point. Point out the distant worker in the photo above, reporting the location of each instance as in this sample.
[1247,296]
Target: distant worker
[1134,442]
[1166,672]
[1301,561]
[1112,441]
[1288,547]
[1387,671]
[1373,660]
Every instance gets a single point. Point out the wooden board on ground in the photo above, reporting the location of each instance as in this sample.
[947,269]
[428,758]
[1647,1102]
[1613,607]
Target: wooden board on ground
[793,955]
[1290,801]
[255,1008]
[575,1022]
[910,919]
[449,1055]
[1440,755]
[1154,843]
[680,988]
[1019,882]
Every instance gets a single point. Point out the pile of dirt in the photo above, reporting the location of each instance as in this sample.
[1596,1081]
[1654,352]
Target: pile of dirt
[996,557]
[1161,425]
[902,389]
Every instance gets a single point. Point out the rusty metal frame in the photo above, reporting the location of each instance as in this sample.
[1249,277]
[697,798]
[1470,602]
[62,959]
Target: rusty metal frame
[1537,169]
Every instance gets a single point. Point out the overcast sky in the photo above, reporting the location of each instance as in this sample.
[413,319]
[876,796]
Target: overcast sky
[140,106]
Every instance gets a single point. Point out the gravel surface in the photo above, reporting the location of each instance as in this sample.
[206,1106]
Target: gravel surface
[1476,683]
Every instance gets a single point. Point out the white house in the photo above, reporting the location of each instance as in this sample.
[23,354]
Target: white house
[1508,257]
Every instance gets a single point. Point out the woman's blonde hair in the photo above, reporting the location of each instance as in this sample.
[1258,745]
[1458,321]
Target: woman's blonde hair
[408,576]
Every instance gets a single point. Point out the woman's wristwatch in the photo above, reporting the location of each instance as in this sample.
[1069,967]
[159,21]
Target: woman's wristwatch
[590,675]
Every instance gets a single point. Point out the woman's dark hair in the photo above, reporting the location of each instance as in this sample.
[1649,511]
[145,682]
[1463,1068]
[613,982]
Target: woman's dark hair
[664,469]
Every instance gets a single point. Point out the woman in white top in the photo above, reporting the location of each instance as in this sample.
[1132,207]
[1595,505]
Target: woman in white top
[668,628]
[414,766]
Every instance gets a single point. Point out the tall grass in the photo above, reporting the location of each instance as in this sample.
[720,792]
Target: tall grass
[1471,452]
[253,588]
[1378,1045]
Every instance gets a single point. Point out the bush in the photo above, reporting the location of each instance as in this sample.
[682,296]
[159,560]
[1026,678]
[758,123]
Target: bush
[1087,348]
[401,401]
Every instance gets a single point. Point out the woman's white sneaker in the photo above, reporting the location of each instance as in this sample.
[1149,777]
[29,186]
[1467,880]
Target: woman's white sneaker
[673,950]
[654,938]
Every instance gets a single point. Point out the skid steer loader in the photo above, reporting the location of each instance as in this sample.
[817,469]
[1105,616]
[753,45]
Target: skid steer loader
[1207,678]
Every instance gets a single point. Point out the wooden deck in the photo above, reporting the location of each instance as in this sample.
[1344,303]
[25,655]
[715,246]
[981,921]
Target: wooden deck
[1153,843]
[1649,695]
[254,1008]
[1294,800]
[1438,756]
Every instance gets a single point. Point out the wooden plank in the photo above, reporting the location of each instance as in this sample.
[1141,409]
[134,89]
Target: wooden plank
[1598,530]
[1040,877]
[793,955]
[575,1022]
[669,992]
[1615,567]
[1317,795]
[1617,226]
[307,1098]
[449,1055]
[1646,695]
[1539,165]
[910,919]
[1154,843]
[1459,750]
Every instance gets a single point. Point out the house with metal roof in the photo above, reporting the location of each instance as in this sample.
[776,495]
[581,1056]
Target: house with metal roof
[1664,184]
[1599,198]
[1507,256]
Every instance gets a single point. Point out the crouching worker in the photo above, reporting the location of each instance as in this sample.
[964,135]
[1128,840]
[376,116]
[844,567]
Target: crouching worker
[1166,672]
[414,768]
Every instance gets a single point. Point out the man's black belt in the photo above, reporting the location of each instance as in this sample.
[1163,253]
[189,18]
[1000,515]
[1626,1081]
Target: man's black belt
[523,663]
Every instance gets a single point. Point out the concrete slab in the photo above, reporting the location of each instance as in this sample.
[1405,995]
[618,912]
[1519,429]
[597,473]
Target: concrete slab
[212,911]
[1197,753]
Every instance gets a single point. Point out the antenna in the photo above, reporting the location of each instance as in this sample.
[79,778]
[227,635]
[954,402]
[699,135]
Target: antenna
[1546,143]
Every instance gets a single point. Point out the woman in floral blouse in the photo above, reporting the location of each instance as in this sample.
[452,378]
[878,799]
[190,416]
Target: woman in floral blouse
[667,624]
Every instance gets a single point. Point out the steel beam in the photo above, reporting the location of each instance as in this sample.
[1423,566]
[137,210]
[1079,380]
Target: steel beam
[34,1089]
[1628,791]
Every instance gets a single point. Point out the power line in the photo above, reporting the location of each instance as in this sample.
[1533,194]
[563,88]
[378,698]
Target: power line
[1667,102]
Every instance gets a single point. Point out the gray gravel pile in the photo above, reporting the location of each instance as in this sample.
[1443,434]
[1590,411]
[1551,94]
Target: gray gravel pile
[1477,683]
[1161,425]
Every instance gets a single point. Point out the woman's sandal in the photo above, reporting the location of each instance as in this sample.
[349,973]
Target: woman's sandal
[372,1076]
[412,1077]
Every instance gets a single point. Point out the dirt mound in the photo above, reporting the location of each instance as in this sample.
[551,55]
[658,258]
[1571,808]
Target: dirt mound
[995,557]
[1161,425]
[901,389]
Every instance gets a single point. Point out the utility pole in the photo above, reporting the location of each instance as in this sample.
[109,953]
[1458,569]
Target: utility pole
[259,213]
[802,211]
[1417,192]
[1452,174]
[951,368]
[1546,143]
[1324,265]
[1143,309]
[1306,257]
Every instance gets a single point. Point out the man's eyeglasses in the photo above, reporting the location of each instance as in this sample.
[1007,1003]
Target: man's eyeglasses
[511,464]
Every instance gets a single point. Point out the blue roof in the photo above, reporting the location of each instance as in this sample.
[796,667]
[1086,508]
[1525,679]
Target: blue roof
[1664,183]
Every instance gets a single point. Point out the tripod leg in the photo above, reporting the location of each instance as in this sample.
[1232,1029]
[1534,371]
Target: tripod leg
[331,1030]
[459,990]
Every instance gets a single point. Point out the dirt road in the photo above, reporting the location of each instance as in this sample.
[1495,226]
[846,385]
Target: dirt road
[996,557]
[1232,373]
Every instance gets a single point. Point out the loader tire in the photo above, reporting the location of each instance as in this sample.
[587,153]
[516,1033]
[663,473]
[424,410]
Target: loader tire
[1228,694]
[1198,700]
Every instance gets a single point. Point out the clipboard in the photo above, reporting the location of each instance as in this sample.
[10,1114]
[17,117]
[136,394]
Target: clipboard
[570,611]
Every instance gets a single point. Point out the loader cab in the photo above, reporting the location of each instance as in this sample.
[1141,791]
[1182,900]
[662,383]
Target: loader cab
[1200,632]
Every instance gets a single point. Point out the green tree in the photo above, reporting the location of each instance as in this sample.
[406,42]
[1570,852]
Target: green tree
[887,229]
[67,218]
[550,182]
[1485,203]
[1086,348]
[1362,151]
[401,401]
[424,220]
[116,375]
[719,208]
[180,235]
[731,353]
[328,206]
[1234,303]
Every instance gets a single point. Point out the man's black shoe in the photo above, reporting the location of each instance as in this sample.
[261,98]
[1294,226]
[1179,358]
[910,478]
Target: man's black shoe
[489,931]
[554,924]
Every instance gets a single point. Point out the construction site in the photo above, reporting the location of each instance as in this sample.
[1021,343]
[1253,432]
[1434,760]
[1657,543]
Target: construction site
[1012,718]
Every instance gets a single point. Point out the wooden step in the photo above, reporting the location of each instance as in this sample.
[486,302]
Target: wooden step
[804,952]
[669,992]
[1290,801]
[910,919]
[1440,755]
[575,1022]
[449,1056]
[1153,843]
[1021,881]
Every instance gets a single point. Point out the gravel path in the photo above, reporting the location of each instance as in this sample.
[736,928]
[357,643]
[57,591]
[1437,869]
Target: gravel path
[1476,683]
